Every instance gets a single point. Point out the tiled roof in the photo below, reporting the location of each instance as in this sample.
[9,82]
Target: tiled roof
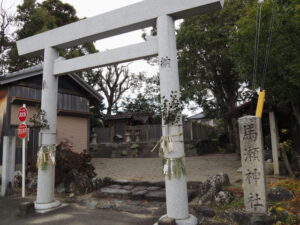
[38,70]
[197,116]
[135,116]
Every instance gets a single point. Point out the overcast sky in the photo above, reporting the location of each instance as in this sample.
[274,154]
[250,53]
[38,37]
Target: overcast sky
[89,8]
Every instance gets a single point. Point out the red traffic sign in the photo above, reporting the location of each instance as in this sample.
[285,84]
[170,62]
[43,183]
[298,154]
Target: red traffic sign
[22,131]
[22,114]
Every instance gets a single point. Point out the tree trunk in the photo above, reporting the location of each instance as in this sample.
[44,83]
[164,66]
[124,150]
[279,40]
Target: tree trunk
[108,110]
[287,163]
[236,135]
[296,112]
[233,135]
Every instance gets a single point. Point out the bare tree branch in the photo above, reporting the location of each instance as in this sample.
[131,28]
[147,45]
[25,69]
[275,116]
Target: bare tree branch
[6,36]
[112,82]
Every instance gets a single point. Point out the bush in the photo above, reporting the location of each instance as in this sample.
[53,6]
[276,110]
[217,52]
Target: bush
[206,146]
[68,161]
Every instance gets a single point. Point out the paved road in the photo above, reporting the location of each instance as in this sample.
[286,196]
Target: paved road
[69,215]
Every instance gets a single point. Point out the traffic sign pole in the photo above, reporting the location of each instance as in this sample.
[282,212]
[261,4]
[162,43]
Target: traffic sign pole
[23,168]
[22,133]
[23,162]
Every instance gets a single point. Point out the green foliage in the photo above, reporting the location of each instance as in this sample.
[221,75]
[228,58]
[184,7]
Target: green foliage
[282,216]
[140,104]
[44,166]
[39,119]
[282,80]
[34,18]
[206,68]
[286,212]
[96,108]
[237,203]
[148,98]
[206,65]
[290,184]
[206,146]
[171,110]
[286,145]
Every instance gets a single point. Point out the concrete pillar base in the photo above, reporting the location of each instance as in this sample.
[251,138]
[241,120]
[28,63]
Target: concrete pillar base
[191,220]
[46,207]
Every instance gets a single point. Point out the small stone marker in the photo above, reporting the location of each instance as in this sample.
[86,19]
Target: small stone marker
[167,221]
[253,164]
[26,208]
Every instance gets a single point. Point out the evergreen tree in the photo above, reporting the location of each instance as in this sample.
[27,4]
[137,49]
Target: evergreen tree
[279,41]
[34,18]
[206,67]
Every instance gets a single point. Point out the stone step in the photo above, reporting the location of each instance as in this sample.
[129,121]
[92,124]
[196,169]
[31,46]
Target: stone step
[190,184]
[139,183]
[113,193]
[153,193]
[160,195]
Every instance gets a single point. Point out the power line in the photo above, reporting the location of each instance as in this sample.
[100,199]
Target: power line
[256,44]
[267,54]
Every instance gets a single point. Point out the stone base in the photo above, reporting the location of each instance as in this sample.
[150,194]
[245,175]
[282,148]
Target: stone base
[192,220]
[46,207]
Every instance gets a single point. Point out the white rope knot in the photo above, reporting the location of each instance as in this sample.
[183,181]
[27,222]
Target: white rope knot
[166,144]
[46,156]
[172,167]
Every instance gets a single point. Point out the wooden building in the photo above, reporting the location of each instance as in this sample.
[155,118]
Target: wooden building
[120,121]
[201,118]
[117,125]
[73,121]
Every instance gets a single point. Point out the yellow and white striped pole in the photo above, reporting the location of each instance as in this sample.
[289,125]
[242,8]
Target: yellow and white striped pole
[260,103]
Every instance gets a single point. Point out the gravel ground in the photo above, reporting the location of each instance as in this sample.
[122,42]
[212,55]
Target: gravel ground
[149,169]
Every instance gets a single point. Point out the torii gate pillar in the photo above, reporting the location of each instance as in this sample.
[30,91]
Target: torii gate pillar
[45,186]
[176,188]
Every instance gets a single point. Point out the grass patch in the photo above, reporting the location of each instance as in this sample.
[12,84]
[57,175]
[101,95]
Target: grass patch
[290,184]
[237,203]
[220,220]
[287,212]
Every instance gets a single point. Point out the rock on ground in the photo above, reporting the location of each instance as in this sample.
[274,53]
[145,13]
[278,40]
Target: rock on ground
[243,218]
[89,203]
[211,187]
[279,194]
[223,197]
[167,221]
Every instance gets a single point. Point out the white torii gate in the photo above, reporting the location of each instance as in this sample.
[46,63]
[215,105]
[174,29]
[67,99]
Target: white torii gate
[161,13]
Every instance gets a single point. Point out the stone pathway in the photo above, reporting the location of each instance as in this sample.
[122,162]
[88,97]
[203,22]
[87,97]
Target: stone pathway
[134,197]
[127,191]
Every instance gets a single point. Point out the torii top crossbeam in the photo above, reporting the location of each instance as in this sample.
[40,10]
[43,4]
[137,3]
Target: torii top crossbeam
[126,19]
[146,13]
